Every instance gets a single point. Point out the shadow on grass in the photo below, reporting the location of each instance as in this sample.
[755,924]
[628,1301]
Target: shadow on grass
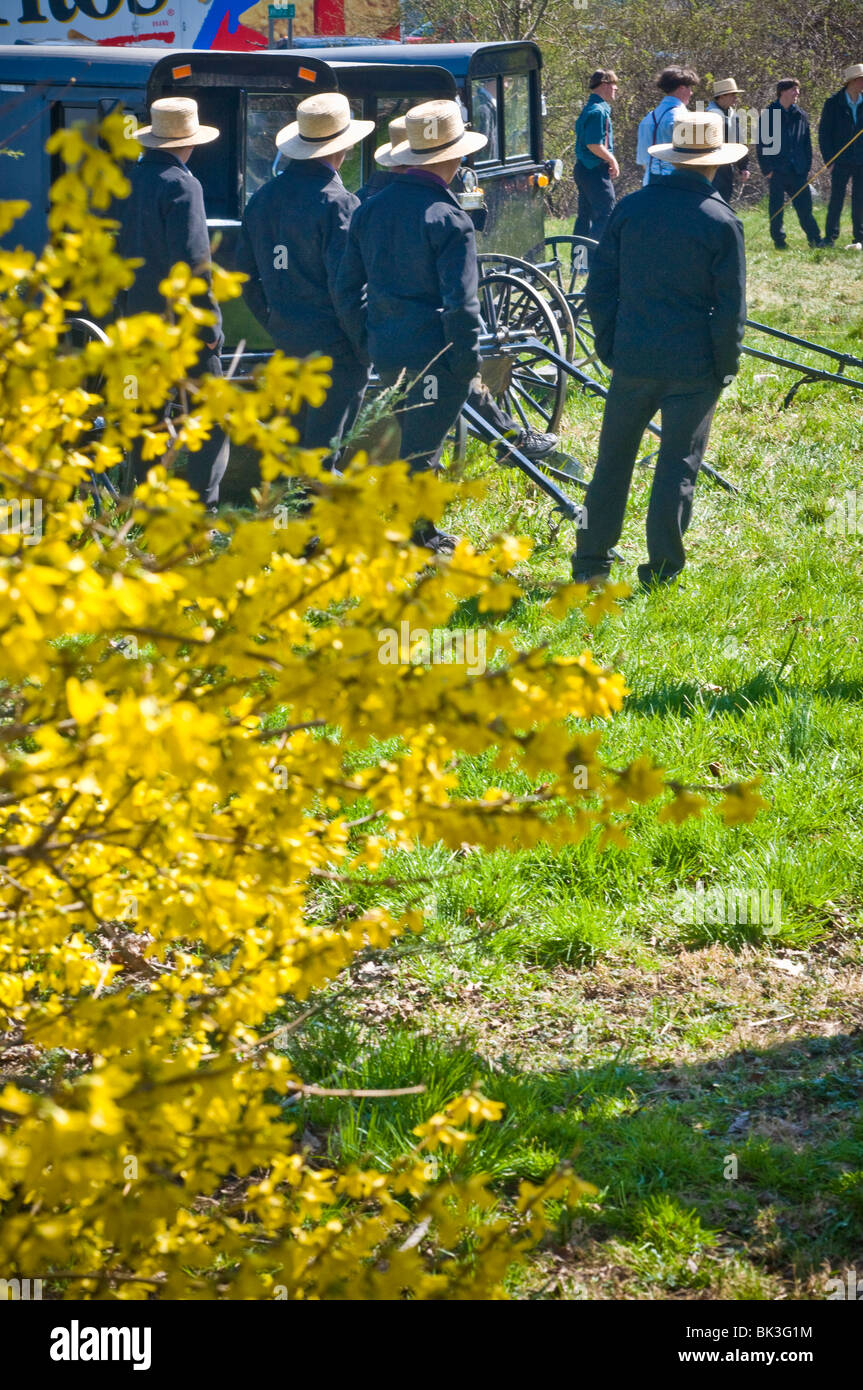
[764,1146]
[685,697]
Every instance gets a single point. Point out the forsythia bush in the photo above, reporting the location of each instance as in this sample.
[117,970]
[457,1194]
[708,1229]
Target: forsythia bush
[176,720]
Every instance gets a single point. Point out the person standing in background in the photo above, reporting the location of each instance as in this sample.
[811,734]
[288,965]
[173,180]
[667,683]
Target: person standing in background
[667,297]
[290,245]
[786,164]
[656,127]
[163,221]
[595,164]
[841,129]
[724,92]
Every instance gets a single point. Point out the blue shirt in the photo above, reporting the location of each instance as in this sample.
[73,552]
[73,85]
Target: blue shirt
[656,129]
[593,127]
[854,103]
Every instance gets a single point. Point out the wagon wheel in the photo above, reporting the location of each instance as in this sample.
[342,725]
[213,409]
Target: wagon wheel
[566,261]
[513,265]
[80,332]
[526,382]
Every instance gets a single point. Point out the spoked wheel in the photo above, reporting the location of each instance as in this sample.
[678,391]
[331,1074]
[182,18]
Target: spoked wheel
[519,328]
[117,481]
[490,261]
[565,260]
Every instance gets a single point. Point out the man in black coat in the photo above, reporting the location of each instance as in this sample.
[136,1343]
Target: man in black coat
[162,222]
[785,156]
[840,137]
[407,287]
[667,298]
[291,244]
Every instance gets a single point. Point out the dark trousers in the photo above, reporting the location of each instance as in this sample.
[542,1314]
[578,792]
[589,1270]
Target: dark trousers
[838,183]
[427,411]
[687,408]
[596,200]
[323,425]
[485,405]
[784,186]
[206,466]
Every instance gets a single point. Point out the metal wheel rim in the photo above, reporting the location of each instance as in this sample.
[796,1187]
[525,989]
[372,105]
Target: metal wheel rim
[532,398]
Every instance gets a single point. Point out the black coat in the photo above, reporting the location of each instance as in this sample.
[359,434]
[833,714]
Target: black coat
[666,291]
[414,248]
[795,142]
[836,127]
[380,179]
[290,245]
[162,222]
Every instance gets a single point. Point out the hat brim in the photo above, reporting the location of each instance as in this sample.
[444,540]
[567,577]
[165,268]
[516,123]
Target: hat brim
[729,92]
[290,143]
[700,159]
[382,155]
[468,143]
[851,74]
[202,136]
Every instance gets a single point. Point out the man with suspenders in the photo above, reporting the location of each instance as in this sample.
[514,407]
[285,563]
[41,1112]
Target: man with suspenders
[656,127]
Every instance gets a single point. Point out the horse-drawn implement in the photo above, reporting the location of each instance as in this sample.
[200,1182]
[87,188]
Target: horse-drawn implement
[537,341]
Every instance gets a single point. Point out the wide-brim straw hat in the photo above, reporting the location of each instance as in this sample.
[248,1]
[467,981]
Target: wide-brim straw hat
[173,124]
[398,135]
[435,134]
[323,126]
[697,141]
[726,86]
[855,70]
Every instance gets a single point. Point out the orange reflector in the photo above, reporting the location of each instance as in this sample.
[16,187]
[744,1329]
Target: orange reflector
[308,75]
[185,71]
[542,180]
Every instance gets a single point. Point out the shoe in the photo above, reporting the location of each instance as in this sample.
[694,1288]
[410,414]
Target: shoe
[817,245]
[854,246]
[780,246]
[534,444]
[595,580]
[427,535]
[649,582]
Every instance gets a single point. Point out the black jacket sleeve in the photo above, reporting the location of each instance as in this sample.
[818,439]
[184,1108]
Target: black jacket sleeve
[455,250]
[349,294]
[728,320]
[602,292]
[246,261]
[335,241]
[187,239]
[806,143]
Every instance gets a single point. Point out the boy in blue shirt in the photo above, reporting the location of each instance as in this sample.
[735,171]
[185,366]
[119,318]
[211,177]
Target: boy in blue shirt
[595,164]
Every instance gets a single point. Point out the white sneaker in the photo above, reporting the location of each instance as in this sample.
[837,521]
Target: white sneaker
[854,246]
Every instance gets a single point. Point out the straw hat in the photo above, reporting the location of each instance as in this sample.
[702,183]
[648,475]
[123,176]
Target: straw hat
[435,134]
[174,123]
[697,141]
[398,136]
[725,87]
[323,126]
[855,70]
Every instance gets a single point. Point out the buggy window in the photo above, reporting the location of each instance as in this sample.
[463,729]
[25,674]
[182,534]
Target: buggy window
[484,104]
[516,115]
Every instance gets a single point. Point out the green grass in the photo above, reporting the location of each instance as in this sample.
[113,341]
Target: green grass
[706,1076]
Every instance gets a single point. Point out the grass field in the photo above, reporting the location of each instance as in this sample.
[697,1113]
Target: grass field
[707,1075]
